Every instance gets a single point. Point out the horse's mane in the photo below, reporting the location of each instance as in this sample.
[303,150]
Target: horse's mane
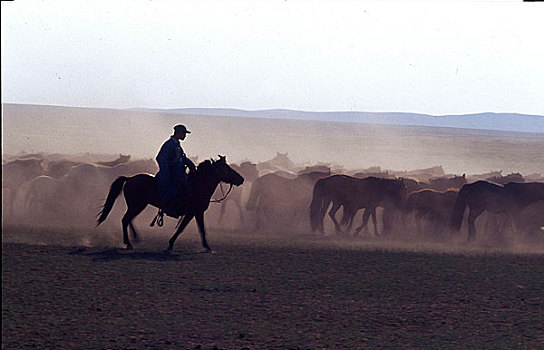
[204,166]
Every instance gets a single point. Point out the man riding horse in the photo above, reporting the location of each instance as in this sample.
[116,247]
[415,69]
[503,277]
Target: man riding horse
[172,178]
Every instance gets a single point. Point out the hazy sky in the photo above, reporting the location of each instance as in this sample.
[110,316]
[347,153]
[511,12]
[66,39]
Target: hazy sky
[435,57]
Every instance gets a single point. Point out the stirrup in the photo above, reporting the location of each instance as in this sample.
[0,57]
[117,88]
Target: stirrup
[159,219]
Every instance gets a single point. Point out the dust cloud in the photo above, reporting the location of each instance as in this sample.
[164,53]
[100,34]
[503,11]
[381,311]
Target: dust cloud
[59,162]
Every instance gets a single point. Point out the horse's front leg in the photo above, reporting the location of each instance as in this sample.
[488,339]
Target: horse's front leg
[222,212]
[239,206]
[186,219]
[134,233]
[332,215]
[200,222]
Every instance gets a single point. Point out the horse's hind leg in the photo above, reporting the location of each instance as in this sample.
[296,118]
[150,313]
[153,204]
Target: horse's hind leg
[125,222]
[473,214]
[130,214]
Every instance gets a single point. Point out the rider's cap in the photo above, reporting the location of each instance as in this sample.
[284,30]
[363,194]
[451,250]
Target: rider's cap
[181,127]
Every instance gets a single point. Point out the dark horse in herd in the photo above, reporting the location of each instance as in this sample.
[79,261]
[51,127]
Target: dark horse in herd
[509,199]
[352,194]
[141,190]
[446,208]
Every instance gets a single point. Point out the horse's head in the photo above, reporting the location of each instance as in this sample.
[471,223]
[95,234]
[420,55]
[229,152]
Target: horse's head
[459,181]
[249,171]
[123,158]
[225,173]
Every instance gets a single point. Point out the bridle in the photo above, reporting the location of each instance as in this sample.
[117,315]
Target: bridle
[222,192]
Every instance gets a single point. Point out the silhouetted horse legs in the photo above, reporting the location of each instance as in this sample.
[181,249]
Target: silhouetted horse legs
[366,216]
[332,214]
[224,208]
[261,216]
[200,223]
[131,213]
[134,233]
[418,216]
[472,216]
[388,216]
[185,221]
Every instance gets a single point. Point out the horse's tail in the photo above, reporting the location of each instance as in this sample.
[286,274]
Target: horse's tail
[115,189]
[254,195]
[317,208]
[456,218]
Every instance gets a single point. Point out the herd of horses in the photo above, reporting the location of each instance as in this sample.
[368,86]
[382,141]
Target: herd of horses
[276,194]
[446,208]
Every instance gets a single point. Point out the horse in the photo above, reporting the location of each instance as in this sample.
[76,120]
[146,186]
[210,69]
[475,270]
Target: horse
[141,190]
[276,199]
[53,198]
[480,196]
[353,194]
[413,185]
[502,180]
[431,204]
[444,183]
[16,174]
[59,168]
[250,173]
[120,160]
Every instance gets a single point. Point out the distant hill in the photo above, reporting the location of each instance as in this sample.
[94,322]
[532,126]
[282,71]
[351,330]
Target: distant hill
[485,121]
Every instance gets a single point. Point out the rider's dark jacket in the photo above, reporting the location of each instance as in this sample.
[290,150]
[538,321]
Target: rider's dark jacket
[172,176]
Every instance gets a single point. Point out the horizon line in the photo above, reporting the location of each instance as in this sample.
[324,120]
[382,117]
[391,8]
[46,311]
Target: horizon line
[453,114]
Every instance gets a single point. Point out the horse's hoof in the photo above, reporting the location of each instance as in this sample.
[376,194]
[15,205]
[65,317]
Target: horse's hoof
[129,247]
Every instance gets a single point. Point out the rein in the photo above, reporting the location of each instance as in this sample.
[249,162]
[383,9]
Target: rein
[223,192]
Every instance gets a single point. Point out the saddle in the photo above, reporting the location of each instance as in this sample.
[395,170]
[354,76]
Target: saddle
[174,211]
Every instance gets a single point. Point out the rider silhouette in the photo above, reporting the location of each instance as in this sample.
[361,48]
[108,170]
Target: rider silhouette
[172,176]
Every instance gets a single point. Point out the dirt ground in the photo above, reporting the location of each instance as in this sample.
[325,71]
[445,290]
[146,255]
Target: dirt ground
[265,292]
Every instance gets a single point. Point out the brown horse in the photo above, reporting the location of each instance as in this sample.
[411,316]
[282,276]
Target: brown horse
[120,160]
[432,205]
[445,183]
[141,190]
[502,180]
[480,196]
[16,174]
[250,173]
[279,202]
[353,194]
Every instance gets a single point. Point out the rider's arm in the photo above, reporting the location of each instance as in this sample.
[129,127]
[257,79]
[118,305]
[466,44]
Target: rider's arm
[189,163]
